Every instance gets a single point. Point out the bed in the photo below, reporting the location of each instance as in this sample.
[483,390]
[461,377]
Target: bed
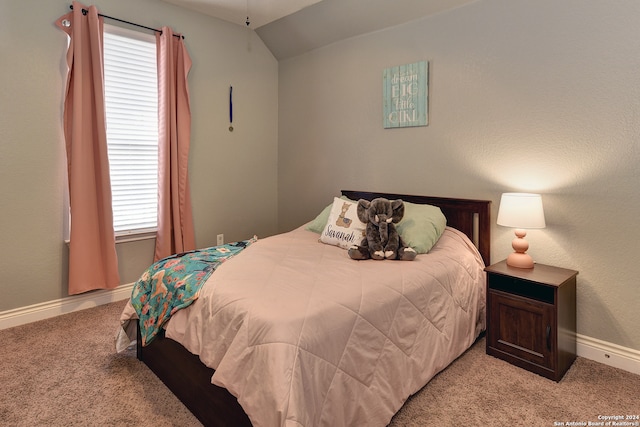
[314,352]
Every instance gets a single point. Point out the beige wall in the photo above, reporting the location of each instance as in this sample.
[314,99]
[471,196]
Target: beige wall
[233,175]
[524,96]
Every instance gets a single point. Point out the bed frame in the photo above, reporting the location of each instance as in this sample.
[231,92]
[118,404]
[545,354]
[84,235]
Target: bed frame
[190,380]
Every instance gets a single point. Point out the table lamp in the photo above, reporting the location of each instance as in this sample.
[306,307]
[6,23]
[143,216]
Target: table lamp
[522,211]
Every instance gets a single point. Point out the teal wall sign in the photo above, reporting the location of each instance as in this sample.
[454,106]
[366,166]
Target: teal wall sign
[405,94]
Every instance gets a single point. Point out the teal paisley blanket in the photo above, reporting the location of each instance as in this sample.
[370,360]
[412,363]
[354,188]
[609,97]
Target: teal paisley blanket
[175,282]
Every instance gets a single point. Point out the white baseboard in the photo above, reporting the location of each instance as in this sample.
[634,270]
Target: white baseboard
[45,310]
[609,354]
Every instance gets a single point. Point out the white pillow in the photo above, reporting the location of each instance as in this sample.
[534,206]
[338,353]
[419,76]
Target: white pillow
[344,228]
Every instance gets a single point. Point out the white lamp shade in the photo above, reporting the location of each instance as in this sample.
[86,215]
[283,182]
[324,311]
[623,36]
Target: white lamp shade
[521,210]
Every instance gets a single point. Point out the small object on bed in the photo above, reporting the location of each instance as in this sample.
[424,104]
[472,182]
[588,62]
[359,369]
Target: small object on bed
[382,240]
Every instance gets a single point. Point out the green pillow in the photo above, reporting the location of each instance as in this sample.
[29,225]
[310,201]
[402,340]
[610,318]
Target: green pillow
[318,224]
[421,226]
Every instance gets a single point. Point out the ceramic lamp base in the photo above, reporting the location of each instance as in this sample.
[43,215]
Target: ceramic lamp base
[519,258]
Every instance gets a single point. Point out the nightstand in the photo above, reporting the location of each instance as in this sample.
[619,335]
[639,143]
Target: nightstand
[531,317]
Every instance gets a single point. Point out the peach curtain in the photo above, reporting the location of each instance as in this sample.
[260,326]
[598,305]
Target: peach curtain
[93,263]
[175,218]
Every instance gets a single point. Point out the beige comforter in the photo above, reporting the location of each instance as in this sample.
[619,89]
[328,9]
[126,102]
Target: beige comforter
[304,336]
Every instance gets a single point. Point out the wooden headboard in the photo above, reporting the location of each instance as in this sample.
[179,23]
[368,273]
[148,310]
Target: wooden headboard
[472,217]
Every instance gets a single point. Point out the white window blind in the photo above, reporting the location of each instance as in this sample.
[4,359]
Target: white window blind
[131,102]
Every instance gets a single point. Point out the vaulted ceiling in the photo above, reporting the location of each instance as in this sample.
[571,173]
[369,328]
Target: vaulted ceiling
[291,27]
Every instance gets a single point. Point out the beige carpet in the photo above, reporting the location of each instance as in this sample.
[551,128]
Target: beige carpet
[64,372]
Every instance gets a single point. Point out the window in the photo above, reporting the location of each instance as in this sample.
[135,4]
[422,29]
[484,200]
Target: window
[131,104]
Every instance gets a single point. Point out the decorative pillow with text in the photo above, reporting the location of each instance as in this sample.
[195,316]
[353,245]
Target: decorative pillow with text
[343,228]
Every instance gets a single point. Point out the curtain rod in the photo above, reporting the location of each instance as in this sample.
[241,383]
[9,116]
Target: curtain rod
[84,12]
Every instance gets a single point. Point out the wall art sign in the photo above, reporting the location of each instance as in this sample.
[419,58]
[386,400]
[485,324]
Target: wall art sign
[405,95]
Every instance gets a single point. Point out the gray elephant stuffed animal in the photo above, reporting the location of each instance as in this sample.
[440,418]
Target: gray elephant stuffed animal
[382,240]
